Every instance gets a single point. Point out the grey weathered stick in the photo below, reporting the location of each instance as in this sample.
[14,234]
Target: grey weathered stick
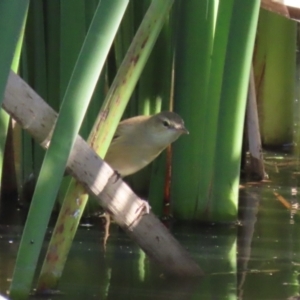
[38,118]
[257,167]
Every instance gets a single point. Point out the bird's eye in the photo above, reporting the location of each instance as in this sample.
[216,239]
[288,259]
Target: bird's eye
[166,123]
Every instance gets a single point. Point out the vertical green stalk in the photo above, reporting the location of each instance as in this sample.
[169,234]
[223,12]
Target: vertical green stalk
[90,8]
[99,92]
[12,15]
[17,56]
[35,38]
[224,197]
[27,142]
[79,91]
[36,56]
[194,40]
[274,70]
[297,104]
[125,34]
[13,150]
[212,109]
[4,123]
[72,34]
[52,24]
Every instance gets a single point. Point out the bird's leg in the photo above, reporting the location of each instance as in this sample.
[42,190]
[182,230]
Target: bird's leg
[106,231]
[117,175]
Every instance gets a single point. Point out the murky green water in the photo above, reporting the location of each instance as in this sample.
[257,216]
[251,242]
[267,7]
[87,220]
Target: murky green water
[258,259]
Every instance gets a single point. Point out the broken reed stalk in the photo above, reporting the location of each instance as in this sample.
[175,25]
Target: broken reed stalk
[115,196]
[257,167]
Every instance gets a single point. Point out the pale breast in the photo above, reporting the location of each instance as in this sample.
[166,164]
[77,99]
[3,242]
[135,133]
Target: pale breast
[126,159]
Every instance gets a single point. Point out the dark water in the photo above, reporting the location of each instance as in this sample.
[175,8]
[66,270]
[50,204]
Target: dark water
[257,259]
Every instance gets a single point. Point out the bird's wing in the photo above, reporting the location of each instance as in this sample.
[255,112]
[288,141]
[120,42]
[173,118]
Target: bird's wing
[127,126]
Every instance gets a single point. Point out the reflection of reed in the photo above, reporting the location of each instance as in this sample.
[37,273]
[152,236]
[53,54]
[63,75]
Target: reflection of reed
[248,212]
[134,276]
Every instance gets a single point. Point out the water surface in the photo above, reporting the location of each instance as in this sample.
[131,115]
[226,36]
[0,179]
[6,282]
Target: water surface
[259,258]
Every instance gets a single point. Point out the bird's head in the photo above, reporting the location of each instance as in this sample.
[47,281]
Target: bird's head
[166,127]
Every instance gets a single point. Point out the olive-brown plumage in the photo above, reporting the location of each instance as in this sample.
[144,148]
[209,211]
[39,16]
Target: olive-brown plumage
[139,140]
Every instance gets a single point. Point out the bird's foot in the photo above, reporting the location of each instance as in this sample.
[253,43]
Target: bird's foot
[144,209]
[140,211]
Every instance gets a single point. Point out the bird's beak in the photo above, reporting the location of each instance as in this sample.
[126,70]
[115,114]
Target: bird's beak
[184,130]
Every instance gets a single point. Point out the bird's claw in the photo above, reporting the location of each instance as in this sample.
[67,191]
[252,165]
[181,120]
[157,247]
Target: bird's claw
[117,176]
[140,211]
[144,209]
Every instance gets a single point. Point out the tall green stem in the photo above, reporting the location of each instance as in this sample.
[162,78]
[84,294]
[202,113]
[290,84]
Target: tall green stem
[12,15]
[274,69]
[194,42]
[224,197]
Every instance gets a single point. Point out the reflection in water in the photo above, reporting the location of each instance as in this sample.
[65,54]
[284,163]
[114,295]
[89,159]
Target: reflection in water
[257,259]
[248,210]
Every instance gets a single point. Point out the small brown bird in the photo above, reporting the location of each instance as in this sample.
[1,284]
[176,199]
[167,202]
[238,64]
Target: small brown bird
[139,140]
